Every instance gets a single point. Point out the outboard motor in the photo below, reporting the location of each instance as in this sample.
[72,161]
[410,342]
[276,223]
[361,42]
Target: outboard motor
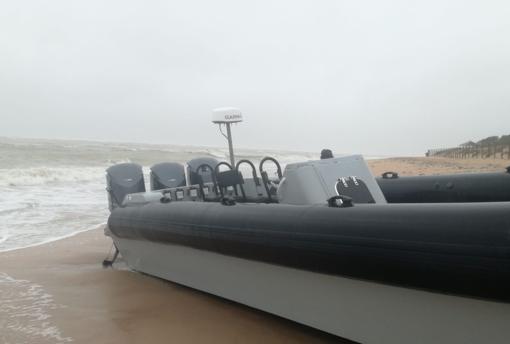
[123,179]
[167,175]
[205,175]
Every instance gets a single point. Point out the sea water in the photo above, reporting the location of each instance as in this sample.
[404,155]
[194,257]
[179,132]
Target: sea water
[25,309]
[52,189]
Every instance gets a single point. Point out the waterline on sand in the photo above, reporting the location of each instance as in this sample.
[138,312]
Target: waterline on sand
[25,313]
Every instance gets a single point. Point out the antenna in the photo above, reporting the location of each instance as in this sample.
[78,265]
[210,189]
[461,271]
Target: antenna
[227,116]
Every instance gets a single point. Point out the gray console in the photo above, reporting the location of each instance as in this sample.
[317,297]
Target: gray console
[314,182]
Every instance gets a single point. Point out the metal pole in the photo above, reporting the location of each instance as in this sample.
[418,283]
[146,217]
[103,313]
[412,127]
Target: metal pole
[230,147]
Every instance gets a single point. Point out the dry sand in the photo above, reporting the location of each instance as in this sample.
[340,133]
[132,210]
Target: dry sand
[426,166]
[58,292]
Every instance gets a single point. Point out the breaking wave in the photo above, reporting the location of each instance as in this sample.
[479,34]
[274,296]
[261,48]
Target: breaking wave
[49,175]
[51,189]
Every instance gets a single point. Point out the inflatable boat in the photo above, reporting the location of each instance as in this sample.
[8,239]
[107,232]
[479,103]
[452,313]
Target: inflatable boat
[452,188]
[375,260]
[321,235]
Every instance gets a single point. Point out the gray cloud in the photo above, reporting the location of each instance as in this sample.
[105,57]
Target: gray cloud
[393,77]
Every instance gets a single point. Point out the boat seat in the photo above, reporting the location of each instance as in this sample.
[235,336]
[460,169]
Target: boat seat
[254,190]
[232,183]
[229,181]
[229,178]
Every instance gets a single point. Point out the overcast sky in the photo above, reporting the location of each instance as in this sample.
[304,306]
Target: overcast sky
[374,77]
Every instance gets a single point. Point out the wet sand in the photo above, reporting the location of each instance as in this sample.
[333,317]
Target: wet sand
[76,300]
[59,292]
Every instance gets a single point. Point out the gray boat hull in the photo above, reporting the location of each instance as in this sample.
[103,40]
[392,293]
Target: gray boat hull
[359,310]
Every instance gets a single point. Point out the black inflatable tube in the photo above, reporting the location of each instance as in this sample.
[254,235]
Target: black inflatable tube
[453,248]
[466,187]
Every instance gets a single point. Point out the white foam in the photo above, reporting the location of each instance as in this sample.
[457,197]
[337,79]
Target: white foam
[25,313]
[49,175]
[33,215]
[51,239]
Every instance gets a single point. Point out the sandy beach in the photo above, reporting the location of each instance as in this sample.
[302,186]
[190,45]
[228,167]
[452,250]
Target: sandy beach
[59,292]
[417,166]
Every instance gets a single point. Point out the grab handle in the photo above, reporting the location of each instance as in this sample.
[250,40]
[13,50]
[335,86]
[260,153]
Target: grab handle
[278,167]
[265,177]
[253,170]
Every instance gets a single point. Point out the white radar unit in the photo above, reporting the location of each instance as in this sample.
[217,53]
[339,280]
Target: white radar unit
[226,116]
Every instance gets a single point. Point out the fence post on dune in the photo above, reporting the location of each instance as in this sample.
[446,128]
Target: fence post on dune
[472,151]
